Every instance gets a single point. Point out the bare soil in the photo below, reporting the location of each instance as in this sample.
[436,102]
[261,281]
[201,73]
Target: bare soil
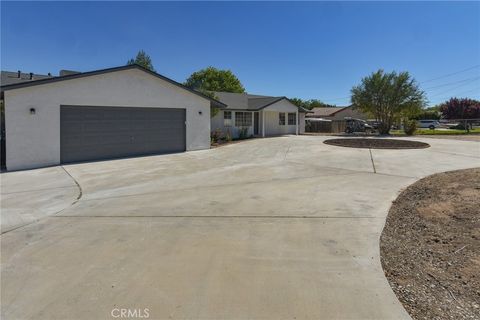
[222,143]
[430,246]
[377,143]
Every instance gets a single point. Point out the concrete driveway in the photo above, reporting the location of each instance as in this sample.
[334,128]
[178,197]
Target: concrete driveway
[278,228]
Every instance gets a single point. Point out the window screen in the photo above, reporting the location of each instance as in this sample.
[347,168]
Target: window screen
[243,119]
[292,119]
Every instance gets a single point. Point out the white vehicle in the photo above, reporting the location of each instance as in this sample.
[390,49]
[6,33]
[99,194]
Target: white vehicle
[430,124]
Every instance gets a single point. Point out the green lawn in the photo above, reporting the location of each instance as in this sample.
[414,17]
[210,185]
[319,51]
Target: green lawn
[436,132]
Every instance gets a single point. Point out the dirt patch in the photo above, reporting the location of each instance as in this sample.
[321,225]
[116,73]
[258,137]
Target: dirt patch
[430,246]
[222,143]
[377,143]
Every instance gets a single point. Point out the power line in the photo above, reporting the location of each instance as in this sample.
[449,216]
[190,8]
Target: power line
[454,88]
[429,80]
[447,97]
[455,82]
[451,74]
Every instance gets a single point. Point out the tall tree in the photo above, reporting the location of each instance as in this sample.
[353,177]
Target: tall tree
[389,97]
[213,79]
[460,109]
[309,104]
[142,59]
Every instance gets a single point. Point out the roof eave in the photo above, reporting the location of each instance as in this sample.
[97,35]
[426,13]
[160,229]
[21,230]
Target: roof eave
[213,102]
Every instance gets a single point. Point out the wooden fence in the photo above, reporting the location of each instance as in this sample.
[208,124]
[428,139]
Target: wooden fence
[329,126]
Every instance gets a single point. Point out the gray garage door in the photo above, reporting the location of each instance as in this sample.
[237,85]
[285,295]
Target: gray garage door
[93,133]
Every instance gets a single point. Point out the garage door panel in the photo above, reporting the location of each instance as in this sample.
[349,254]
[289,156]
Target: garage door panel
[92,133]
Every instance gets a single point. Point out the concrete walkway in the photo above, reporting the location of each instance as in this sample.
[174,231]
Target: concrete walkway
[277,228]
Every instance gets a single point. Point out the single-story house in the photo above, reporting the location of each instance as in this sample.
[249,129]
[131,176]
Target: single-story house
[12,77]
[257,115]
[336,113]
[116,112]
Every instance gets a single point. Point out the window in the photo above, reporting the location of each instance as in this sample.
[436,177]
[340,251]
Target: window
[243,119]
[227,118]
[292,119]
[281,118]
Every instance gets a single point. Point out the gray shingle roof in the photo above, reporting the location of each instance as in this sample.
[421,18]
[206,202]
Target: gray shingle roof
[245,101]
[325,111]
[11,77]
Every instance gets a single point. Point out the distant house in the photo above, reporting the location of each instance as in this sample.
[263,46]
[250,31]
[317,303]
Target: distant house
[14,77]
[336,113]
[257,115]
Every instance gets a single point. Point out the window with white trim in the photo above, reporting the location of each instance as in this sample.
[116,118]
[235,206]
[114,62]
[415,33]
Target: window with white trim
[292,119]
[227,118]
[243,119]
[281,118]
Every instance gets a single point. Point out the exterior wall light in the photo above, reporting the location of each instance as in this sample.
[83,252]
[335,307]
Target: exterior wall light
[200,112]
[32,110]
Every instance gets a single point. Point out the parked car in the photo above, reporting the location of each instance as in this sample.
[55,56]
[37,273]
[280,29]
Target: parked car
[430,124]
[358,125]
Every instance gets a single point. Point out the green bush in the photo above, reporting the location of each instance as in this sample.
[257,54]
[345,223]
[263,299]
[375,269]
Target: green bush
[228,136]
[215,136]
[243,133]
[409,127]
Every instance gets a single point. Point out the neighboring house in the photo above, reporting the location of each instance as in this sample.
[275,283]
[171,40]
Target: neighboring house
[13,77]
[336,113]
[257,115]
[116,112]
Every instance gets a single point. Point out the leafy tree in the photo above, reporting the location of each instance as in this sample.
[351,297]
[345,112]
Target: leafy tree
[298,102]
[315,103]
[456,108]
[212,79]
[309,104]
[427,114]
[143,60]
[389,97]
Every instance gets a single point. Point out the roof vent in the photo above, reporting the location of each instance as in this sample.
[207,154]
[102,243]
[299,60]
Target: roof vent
[67,72]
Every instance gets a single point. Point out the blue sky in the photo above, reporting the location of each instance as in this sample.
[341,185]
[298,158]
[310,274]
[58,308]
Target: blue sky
[307,50]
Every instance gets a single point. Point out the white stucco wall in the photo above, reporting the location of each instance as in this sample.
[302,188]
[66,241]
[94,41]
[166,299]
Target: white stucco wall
[34,140]
[217,123]
[271,118]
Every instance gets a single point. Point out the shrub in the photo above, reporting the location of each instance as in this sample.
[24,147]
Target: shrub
[243,133]
[215,136]
[409,127]
[228,136]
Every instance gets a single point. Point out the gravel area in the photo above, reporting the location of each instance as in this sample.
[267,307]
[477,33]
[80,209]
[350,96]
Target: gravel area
[377,143]
[430,246]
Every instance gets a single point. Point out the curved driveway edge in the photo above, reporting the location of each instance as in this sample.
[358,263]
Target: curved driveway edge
[272,228]
[30,195]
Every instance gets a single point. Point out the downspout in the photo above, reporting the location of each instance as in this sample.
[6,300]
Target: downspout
[263,123]
[253,124]
[296,122]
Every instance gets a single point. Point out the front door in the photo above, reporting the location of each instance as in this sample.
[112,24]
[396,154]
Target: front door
[255,123]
